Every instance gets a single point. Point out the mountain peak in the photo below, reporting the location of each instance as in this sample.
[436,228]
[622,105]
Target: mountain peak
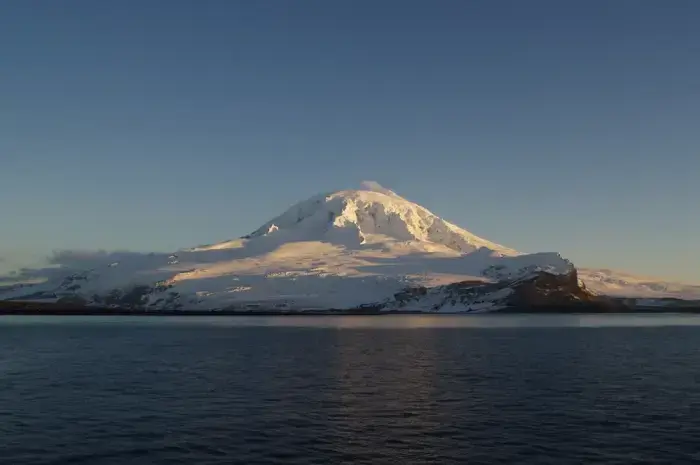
[372,215]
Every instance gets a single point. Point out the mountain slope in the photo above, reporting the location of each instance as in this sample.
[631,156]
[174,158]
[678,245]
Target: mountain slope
[338,250]
[622,284]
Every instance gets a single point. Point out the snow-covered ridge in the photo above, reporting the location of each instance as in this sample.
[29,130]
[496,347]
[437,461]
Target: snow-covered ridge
[621,284]
[336,250]
[368,216]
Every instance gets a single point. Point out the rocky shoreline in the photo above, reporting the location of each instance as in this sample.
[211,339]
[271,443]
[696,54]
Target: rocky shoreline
[539,293]
[49,309]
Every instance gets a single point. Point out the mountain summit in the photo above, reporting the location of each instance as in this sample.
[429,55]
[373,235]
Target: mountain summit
[372,215]
[340,250]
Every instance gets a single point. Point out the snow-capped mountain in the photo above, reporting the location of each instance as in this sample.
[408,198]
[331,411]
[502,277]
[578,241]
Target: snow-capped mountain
[339,250]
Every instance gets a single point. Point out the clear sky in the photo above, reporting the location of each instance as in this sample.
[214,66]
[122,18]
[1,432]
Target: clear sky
[542,125]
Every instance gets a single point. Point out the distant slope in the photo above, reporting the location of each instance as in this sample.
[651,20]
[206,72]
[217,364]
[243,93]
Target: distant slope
[621,284]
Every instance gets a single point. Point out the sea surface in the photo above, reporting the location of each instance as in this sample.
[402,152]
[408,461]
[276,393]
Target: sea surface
[512,389]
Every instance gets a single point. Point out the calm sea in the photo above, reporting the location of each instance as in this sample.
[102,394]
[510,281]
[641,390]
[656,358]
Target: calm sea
[362,390]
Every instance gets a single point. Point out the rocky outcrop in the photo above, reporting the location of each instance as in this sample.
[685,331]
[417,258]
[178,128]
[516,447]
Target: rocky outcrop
[539,292]
[558,293]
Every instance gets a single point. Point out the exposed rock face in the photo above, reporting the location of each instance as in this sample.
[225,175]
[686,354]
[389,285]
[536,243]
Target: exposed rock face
[557,293]
[540,291]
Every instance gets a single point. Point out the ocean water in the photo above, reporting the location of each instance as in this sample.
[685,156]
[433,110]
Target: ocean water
[362,390]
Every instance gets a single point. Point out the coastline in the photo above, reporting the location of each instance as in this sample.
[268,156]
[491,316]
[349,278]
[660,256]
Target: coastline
[47,309]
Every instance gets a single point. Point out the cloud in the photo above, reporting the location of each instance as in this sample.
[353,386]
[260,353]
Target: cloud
[376,187]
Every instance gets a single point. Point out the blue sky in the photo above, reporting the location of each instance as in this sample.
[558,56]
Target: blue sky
[542,125]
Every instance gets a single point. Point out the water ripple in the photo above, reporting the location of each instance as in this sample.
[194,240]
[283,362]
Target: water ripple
[95,394]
